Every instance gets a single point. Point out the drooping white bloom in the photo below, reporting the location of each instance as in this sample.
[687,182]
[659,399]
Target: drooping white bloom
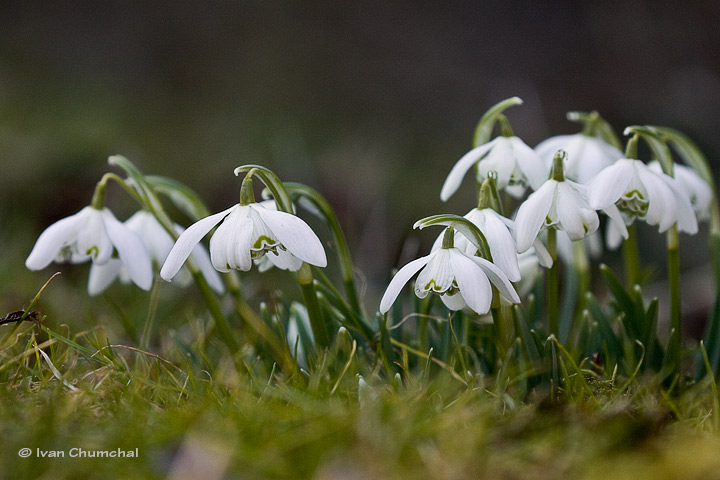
[247,232]
[459,279]
[697,189]
[639,192]
[562,205]
[93,234]
[283,260]
[496,230]
[158,243]
[586,155]
[515,164]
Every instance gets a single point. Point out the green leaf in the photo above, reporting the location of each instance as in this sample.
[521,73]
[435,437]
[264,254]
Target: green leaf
[657,145]
[596,126]
[462,225]
[484,128]
[184,198]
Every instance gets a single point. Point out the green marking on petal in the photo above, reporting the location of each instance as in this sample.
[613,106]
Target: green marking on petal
[263,242]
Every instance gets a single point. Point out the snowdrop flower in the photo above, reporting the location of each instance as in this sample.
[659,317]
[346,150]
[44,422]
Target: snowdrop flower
[248,232]
[496,229]
[639,192]
[93,234]
[460,280]
[283,260]
[561,204]
[586,155]
[516,165]
[158,243]
[697,189]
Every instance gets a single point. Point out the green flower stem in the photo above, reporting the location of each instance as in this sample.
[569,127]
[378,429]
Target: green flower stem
[148,199]
[582,267]
[673,244]
[343,251]
[222,324]
[317,320]
[631,257]
[98,199]
[553,289]
[278,349]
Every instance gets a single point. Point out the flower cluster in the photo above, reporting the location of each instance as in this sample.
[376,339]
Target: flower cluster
[128,251]
[573,178]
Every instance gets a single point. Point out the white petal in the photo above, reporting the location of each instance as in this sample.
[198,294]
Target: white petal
[617,220]
[502,244]
[613,238]
[51,241]
[102,276]
[454,302]
[202,259]
[473,283]
[697,189]
[284,260]
[610,184]
[131,251]
[399,281]
[543,255]
[454,178]
[530,163]
[437,277]
[93,239]
[231,242]
[577,221]
[187,241]
[295,235]
[498,278]
[547,148]
[662,206]
[687,221]
[531,215]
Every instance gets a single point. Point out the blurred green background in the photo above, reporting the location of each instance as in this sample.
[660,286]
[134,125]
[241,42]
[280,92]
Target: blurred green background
[371,103]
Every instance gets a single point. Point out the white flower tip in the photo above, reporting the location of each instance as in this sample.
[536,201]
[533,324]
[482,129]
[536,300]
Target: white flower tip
[114,159]
[572,116]
[448,189]
[237,171]
[517,100]
[627,131]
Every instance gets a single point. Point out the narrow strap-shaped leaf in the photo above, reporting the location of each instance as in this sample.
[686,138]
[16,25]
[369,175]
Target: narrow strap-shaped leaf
[182,196]
[485,126]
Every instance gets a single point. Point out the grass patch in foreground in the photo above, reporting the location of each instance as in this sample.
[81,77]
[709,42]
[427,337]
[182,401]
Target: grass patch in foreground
[188,421]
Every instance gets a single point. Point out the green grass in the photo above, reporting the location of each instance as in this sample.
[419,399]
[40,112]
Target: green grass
[182,415]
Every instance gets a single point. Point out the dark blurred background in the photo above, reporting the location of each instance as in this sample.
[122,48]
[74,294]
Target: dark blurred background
[371,103]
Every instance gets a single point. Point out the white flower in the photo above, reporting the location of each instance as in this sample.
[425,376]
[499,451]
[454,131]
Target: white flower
[247,232]
[92,234]
[639,192]
[283,260]
[697,189]
[562,205]
[158,243]
[459,279]
[496,230]
[516,165]
[586,155]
